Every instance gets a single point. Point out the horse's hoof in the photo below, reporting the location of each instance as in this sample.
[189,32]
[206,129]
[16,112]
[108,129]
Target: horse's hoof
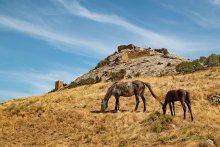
[117,111]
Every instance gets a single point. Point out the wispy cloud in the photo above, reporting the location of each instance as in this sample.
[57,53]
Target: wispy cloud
[35,81]
[9,94]
[215,2]
[53,36]
[203,18]
[153,38]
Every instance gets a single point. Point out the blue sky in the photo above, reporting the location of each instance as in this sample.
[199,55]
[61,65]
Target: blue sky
[46,40]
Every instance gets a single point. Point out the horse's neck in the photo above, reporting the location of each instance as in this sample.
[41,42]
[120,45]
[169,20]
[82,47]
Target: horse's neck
[108,95]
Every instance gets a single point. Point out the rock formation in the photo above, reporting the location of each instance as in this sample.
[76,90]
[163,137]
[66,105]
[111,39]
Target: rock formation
[135,61]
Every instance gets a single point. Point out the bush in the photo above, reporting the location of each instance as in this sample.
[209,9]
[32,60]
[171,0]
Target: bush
[115,76]
[202,59]
[129,76]
[159,122]
[169,64]
[188,67]
[163,51]
[87,81]
[98,79]
[102,63]
[137,74]
[73,85]
[213,60]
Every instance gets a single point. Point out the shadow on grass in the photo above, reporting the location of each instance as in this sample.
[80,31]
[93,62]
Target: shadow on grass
[109,111]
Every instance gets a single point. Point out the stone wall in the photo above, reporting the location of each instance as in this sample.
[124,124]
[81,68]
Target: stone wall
[135,54]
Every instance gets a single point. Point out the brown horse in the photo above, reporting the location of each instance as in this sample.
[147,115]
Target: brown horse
[127,89]
[177,95]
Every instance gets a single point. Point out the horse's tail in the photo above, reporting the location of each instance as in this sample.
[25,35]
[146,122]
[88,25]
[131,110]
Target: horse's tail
[152,93]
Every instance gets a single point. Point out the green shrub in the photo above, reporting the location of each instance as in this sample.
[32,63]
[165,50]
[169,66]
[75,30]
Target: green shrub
[213,60]
[169,64]
[129,76]
[163,51]
[115,76]
[87,81]
[102,63]
[98,79]
[188,67]
[159,122]
[73,85]
[137,74]
[202,59]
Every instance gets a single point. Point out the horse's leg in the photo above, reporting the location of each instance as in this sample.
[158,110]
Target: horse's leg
[116,103]
[184,109]
[173,108]
[144,101]
[189,107]
[171,111]
[137,102]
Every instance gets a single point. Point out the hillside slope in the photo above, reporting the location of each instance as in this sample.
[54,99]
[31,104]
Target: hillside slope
[71,117]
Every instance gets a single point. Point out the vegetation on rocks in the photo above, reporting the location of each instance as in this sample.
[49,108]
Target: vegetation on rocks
[87,81]
[116,76]
[102,63]
[188,67]
[213,60]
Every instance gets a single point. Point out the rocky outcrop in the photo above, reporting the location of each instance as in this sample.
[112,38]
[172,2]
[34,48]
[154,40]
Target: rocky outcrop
[135,61]
[214,99]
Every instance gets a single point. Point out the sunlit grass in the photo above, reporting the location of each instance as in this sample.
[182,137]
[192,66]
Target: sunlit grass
[71,117]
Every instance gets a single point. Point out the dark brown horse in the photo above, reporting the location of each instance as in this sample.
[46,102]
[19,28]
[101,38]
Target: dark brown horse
[127,89]
[177,95]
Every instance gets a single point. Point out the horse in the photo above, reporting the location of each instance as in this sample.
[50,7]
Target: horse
[127,89]
[177,95]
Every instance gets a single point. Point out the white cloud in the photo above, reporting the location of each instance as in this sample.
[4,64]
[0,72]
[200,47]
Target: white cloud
[153,38]
[35,82]
[53,36]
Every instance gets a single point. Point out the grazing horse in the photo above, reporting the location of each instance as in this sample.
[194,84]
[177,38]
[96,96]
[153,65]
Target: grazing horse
[127,89]
[177,95]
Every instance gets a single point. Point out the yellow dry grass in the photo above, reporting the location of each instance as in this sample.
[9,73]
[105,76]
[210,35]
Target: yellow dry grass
[71,117]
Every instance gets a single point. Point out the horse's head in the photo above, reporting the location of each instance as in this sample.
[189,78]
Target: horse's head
[103,105]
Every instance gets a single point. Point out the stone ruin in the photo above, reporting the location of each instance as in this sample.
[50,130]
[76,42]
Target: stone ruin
[58,86]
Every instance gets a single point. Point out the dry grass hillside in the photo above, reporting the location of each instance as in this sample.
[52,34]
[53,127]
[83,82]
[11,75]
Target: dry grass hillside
[71,117]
